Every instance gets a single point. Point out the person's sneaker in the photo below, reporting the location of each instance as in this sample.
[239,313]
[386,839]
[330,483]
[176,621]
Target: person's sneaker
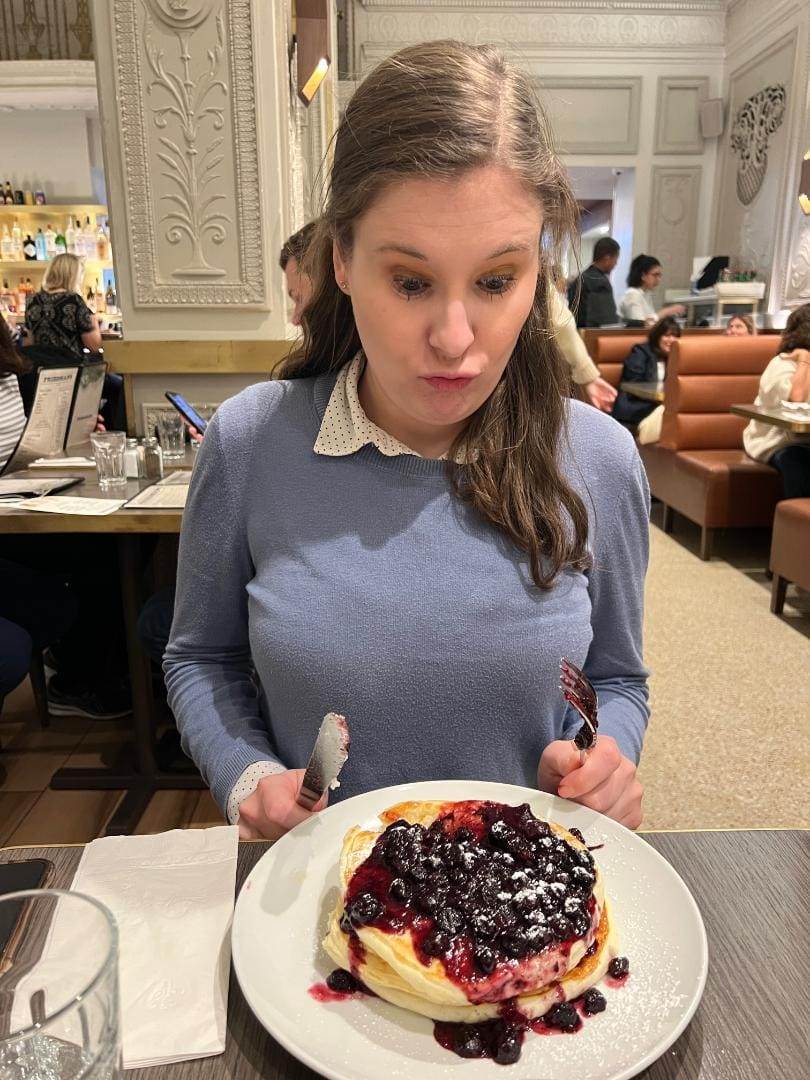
[86,703]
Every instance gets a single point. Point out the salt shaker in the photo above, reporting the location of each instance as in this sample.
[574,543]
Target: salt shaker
[150,460]
[131,458]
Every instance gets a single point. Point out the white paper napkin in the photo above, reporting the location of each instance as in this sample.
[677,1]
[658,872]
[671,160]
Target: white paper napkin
[172,895]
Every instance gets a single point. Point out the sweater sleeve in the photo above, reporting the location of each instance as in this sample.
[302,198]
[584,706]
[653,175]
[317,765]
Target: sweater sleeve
[571,345]
[616,585]
[776,382]
[209,674]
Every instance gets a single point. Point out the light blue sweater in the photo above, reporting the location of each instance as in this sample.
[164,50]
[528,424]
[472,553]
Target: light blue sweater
[362,585]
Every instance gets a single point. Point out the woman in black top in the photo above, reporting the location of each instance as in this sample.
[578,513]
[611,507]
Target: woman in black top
[641,366]
[57,318]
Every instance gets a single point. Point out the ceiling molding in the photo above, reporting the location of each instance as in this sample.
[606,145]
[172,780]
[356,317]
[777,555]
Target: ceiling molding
[48,84]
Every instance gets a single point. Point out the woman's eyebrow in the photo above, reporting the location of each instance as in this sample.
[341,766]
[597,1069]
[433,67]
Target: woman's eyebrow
[401,249]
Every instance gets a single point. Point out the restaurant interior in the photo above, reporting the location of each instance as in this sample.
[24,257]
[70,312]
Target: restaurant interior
[160,161]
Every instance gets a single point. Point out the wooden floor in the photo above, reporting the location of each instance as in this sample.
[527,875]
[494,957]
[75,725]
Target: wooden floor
[32,814]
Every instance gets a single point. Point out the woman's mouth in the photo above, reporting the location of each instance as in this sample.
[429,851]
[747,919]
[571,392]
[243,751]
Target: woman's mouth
[448,385]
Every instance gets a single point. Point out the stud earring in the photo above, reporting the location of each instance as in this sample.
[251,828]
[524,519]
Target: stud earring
[344,285]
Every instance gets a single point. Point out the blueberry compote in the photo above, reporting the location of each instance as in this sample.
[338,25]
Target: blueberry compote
[489,891]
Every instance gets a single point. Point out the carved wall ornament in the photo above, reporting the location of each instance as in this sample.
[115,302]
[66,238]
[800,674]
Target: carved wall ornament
[760,116]
[187,107]
[186,89]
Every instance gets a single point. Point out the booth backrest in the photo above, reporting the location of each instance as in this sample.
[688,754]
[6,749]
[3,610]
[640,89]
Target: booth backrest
[705,376]
[609,351]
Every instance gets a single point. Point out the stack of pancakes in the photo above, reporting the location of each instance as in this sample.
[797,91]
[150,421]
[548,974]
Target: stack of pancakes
[389,951]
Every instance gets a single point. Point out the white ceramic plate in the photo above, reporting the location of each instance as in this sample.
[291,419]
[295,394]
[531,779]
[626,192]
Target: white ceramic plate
[281,916]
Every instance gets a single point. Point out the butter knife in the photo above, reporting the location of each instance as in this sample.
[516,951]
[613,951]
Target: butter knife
[328,758]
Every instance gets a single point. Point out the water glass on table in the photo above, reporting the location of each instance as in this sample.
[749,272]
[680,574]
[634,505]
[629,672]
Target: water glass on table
[109,448]
[59,997]
[172,435]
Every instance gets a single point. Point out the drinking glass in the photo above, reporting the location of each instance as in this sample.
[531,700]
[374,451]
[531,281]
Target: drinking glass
[172,435]
[108,450]
[59,1002]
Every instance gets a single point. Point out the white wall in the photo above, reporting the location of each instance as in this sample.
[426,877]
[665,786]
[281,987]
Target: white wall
[768,45]
[48,150]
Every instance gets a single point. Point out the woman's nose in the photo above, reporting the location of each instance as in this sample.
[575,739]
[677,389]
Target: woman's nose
[451,332]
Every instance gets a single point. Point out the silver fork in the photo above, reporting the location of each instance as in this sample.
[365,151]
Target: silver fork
[578,691]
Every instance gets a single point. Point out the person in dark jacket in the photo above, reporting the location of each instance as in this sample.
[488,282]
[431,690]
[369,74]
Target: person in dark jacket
[590,297]
[646,363]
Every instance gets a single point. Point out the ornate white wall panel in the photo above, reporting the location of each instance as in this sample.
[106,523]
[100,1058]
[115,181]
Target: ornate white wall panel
[593,116]
[673,220]
[677,117]
[753,181]
[185,79]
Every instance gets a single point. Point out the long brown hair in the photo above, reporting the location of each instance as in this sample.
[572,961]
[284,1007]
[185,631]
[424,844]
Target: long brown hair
[438,110]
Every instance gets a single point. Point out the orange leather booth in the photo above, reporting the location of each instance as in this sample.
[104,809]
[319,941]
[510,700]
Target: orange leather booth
[699,467]
[790,546]
[609,351]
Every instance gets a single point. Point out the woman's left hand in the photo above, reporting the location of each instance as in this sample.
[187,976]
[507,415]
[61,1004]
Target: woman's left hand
[100,426]
[606,782]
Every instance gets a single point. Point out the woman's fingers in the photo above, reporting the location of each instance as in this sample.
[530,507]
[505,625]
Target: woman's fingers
[600,763]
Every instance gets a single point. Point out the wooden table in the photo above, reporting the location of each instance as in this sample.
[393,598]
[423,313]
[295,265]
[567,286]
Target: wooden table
[139,778]
[648,391]
[751,888]
[799,425]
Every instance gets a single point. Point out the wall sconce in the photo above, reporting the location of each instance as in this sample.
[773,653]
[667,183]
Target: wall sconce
[804,184]
[312,40]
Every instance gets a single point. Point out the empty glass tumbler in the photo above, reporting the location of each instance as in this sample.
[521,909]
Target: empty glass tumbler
[172,436]
[59,1001]
[109,448]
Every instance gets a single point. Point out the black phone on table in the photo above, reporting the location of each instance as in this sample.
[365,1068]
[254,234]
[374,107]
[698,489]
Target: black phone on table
[16,877]
[189,414]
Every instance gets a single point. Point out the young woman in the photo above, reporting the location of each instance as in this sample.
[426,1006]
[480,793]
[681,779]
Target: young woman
[56,317]
[646,363]
[416,523]
[740,326]
[636,306]
[786,378]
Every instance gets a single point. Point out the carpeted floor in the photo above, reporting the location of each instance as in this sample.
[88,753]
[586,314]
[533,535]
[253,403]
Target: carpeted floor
[727,745]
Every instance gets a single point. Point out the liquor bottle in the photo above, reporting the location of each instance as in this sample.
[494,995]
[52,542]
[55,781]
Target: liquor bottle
[91,296]
[19,198]
[6,245]
[42,253]
[110,297]
[102,245]
[50,241]
[8,194]
[70,238]
[28,196]
[60,244]
[22,297]
[17,243]
[29,248]
[98,297]
[88,240]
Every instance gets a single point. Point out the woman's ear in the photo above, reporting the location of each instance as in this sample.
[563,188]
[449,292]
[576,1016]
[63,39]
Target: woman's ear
[339,263]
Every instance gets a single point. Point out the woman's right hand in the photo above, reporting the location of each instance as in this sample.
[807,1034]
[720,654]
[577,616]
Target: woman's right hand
[272,810]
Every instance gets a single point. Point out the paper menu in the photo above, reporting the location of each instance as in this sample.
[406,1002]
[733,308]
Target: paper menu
[67,504]
[86,405]
[45,430]
[170,493]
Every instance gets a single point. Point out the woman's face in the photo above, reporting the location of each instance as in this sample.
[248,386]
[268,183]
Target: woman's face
[665,342]
[442,277]
[651,279]
[737,328]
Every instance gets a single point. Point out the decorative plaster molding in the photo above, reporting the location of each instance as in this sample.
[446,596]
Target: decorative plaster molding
[798,281]
[48,84]
[601,87]
[696,6]
[666,84]
[759,118]
[673,219]
[173,103]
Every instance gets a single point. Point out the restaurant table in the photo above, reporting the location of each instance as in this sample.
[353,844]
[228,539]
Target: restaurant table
[751,889]
[141,777]
[798,425]
[648,391]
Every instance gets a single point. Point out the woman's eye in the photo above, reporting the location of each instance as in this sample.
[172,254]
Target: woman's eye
[410,286]
[496,284]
